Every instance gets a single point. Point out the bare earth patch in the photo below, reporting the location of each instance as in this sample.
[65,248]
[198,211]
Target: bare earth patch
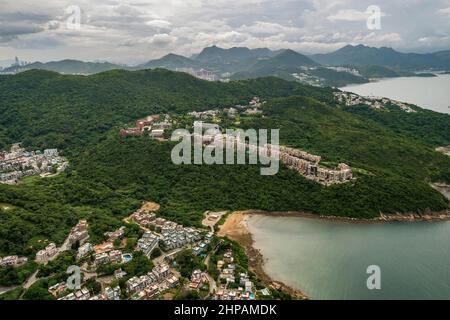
[150,206]
[212,218]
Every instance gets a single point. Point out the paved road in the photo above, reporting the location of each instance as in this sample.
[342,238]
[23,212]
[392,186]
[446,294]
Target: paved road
[212,282]
[167,254]
[6,289]
[31,280]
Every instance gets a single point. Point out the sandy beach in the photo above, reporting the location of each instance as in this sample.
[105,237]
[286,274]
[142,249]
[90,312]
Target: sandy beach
[235,228]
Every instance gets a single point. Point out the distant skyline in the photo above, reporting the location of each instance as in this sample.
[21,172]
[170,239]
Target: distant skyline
[134,31]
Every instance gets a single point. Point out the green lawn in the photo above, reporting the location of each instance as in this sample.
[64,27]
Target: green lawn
[30,180]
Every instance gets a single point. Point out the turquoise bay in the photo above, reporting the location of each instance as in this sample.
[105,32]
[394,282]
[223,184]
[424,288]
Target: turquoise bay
[328,260]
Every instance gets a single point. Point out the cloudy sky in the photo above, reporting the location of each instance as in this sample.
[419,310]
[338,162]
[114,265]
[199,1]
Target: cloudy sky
[132,31]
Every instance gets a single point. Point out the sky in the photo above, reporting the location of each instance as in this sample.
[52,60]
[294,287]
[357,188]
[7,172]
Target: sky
[135,31]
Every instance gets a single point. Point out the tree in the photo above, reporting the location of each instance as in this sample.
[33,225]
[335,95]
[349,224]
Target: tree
[156,253]
[117,243]
[187,262]
[93,285]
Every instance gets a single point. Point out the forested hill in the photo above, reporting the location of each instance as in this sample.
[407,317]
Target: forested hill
[46,109]
[391,152]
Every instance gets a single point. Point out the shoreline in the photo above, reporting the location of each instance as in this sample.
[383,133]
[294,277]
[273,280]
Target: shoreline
[427,215]
[236,228]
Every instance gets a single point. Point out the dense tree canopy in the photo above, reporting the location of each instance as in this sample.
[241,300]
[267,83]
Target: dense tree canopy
[392,154]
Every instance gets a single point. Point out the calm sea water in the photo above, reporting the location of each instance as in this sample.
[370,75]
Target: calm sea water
[328,260]
[429,93]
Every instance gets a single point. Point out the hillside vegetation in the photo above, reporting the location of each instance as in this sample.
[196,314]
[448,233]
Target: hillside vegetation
[44,109]
[392,156]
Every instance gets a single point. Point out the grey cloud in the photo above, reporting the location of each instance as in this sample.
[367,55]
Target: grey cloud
[14,30]
[24,16]
[132,27]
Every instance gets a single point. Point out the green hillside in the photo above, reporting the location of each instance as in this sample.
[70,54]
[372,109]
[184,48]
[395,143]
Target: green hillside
[109,176]
[43,109]
[172,62]
[282,65]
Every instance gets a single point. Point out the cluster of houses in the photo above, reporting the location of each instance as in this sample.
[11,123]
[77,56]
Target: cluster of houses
[233,294]
[198,278]
[84,250]
[60,288]
[84,294]
[104,252]
[208,114]
[308,165]
[167,233]
[201,247]
[113,256]
[253,108]
[245,288]
[227,273]
[309,79]
[199,73]
[176,236]
[161,277]
[310,76]
[117,234]
[352,99]
[79,233]
[301,161]
[57,289]
[13,261]
[212,115]
[46,254]
[255,103]
[18,163]
[153,124]
[112,293]
[352,71]
[148,286]
[306,75]
[148,242]
[143,218]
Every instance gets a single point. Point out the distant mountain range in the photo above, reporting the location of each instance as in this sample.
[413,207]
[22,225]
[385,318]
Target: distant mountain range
[172,62]
[68,66]
[357,64]
[361,55]
[214,59]
[216,55]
